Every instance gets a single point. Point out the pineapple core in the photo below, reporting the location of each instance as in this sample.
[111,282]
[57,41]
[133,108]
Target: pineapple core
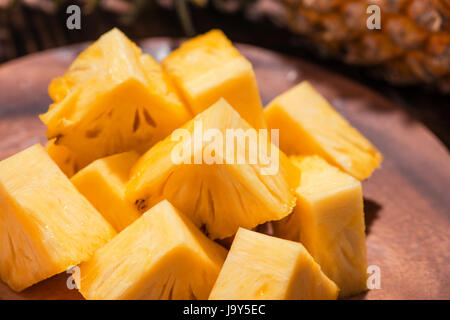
[207,68]
[329,221]
[103,183]
[218,196]
[309,125]
[62,156]
[259,266]
[161,255]
[112,99]
[46,225]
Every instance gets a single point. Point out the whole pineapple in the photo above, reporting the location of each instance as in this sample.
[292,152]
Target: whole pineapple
[412,46]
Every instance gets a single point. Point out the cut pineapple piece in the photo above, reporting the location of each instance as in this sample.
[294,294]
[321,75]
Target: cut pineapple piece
[112,99]
[103,183]
[329,221]
[259,266]
[207,68]
[162,255]
[62,156]
[217,197]
[309,125]
[46,226]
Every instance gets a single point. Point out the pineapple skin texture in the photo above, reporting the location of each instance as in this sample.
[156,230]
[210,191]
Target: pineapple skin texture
[112,99]
[209,67]
[219,198]
[329,221]
[162,255]
[46,226]
[103,183]
[309,125]
[250,271]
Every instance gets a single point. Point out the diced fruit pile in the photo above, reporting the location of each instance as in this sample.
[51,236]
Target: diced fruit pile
[106,194]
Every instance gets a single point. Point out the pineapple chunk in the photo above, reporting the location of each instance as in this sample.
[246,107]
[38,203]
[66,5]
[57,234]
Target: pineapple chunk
[329,221]
[112,99]
[46,226]
[207,68]
[259,266]
[219,197]
[103,183]
[309,125]
[62,156]
[162,255]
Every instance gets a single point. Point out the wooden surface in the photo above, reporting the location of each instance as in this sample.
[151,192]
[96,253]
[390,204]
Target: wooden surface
[407,201]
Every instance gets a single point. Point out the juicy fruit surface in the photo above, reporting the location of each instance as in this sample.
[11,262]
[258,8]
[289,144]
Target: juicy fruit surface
[110,128]
[46,226]
[251,271]
[309,125]
[112,99]
[162,255]
[62,156]
[329,221]
[209,67]
[103,183]
[217,197]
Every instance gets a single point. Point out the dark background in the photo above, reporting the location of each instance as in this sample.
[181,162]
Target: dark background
[25,30]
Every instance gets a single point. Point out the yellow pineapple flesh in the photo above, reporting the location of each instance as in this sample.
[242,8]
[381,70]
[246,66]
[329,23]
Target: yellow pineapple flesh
[112,99]
[46,225]
[103,183]
[309,125]
[259,266]
[209,67]
[62,156]
[329,221]
[162,255]
[221,196]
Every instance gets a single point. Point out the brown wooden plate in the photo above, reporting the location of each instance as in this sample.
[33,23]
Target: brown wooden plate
[407,201]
